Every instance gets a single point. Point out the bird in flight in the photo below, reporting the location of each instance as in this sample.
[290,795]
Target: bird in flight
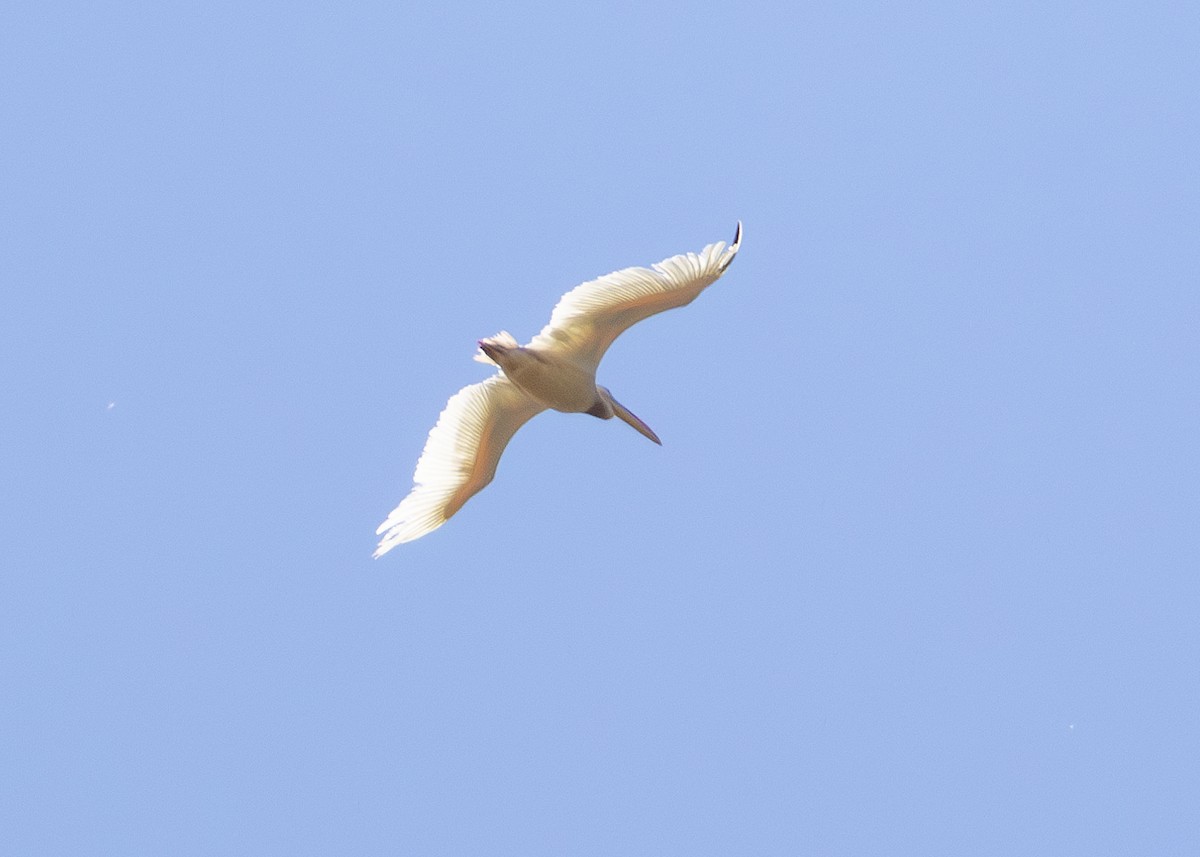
[557,369]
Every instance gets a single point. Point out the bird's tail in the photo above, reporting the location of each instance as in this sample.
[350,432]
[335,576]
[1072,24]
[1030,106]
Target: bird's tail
[502,338]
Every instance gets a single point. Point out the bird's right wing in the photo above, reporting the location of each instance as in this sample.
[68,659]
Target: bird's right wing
[587,319]
[460,457]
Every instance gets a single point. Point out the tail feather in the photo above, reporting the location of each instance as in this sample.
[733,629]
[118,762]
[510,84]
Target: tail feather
[502,338]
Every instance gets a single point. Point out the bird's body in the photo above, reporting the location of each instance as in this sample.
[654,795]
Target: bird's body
[553,380]
[555,370]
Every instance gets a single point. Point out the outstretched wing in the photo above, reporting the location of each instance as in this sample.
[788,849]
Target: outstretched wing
[460,457]
[588,318]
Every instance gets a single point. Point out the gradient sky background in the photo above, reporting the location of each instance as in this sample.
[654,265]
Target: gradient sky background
[915,573]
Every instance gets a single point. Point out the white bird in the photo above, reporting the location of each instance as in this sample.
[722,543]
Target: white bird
[557,369]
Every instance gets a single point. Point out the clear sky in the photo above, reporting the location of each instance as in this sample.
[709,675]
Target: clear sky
[914,573]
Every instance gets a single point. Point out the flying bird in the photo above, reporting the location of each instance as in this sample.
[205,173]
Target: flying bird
[557,369]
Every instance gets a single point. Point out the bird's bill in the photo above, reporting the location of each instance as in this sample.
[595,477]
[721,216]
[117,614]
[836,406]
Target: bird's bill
[628,416]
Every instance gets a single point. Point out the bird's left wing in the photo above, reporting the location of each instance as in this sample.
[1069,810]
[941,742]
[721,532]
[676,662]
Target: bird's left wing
[587,319]
[460,457]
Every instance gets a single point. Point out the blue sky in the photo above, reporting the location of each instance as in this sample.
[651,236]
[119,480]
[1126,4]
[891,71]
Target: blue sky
[915,571]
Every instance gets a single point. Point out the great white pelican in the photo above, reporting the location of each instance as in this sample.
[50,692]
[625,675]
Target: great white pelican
[557,369]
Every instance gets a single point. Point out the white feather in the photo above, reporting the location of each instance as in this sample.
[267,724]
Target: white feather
[587,319]
[460,457]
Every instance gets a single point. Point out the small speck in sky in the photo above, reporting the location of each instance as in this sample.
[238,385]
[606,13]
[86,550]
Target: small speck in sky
[111,405]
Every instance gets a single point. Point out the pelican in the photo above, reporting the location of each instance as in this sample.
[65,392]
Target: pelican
[557,369]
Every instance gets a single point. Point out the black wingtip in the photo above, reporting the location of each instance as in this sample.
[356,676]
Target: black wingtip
[732,250]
